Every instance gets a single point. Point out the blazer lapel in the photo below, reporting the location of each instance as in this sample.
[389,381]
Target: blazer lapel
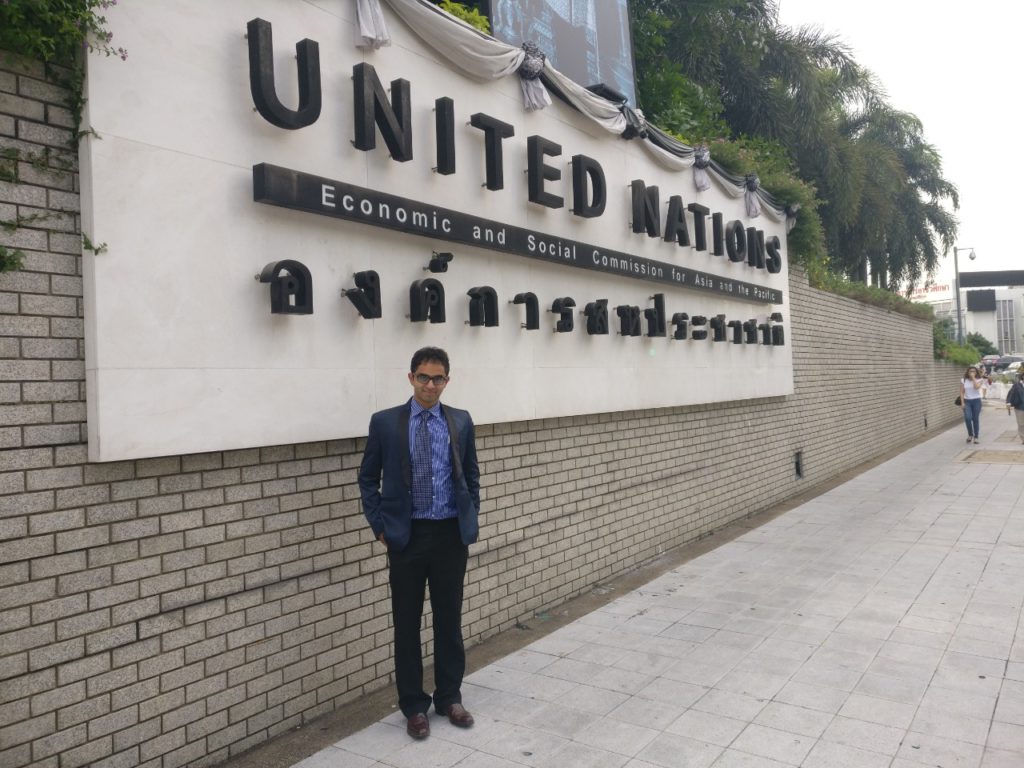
[403,444]
[453,441]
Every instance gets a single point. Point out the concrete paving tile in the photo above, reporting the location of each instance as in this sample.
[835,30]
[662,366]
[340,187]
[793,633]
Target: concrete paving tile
[680,630]
[431,753]
[999,758]
[647,663]
[705,726]
[697,672]
[647,713]
[828,676]
[882,711]
[332,757]
[910,653]
[958,702]
[704,619]
[571,669]
[1010,709]
[597,701]
[734,759]
[1007,736]
[864,735]
[576,755]
[783,746]
[526,660]
[836,657]
[729,704]
[538,686]
[557,719]
[621,680]
[785,649]
[505,707]
[952,725]
[799,720]
[902,689]
[1014,671]
[920,637]
[854,643]
[829,754]
[914,670]
[475,760]
[936,750]
[555,645]
[616,736]
[760,661]
[596,654]
[672,751]
[377,741]
[645,625]
[757,685]
[672,692]
[821,698]
[524,745]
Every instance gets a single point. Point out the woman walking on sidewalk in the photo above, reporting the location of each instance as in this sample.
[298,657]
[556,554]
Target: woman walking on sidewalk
[972,389]
[1015,400]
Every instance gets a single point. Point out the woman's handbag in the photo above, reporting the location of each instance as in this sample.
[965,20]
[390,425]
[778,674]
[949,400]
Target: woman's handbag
[958,401]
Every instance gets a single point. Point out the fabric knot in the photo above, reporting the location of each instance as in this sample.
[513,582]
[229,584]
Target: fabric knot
[751,184]
[701,156]
[533,62]
[791,211]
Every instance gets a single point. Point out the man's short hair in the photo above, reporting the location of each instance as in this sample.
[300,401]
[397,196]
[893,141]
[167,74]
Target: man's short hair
[429,355]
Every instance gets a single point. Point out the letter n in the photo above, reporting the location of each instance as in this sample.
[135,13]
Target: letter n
[372,108]
[645,209]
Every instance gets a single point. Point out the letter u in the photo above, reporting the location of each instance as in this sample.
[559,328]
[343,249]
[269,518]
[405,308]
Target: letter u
[261,79]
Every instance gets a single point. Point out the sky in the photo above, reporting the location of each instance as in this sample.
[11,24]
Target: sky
[958,67]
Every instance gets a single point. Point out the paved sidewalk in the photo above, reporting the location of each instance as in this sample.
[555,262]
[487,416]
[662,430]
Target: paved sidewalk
[878,625]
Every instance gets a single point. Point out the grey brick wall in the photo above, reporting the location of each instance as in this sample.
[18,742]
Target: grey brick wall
[175,611]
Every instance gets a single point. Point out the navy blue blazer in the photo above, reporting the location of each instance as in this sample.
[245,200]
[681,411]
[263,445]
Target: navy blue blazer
[388,504]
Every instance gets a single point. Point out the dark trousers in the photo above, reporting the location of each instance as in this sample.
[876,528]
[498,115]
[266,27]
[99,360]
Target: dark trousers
[435,556]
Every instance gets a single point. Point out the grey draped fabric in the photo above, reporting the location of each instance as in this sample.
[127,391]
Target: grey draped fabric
[751,185]
[372,29]
[701,162]
[535,95]
[482,57]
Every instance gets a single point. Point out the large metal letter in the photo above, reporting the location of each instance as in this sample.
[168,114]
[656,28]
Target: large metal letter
[394,117]
[261,79]
[291,287]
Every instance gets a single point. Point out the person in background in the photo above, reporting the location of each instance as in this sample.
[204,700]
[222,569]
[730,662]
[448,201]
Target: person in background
[1015,402]
[420,486]
[972,390]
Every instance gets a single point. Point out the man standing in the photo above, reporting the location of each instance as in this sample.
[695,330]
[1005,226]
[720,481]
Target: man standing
[1015,401]
[426,513]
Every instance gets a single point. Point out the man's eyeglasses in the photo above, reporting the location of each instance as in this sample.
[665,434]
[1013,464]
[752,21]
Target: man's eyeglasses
[437,381]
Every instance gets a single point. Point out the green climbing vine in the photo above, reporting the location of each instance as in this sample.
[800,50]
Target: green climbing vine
[58,33]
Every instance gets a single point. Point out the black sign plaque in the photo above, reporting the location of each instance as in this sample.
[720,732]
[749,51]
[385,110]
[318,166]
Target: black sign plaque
[299,191]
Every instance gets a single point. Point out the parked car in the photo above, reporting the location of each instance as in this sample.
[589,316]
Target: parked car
[989,360]
[1013,368]
[1003,362]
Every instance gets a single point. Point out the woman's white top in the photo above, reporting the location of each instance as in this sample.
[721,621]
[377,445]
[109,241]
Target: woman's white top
[970,393]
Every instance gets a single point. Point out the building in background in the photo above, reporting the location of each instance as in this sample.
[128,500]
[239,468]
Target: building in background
[997,313]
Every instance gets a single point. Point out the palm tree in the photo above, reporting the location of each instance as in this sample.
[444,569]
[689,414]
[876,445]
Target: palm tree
[716,66]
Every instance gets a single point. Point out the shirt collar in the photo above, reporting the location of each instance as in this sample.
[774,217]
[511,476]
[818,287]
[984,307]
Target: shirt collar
[417,409]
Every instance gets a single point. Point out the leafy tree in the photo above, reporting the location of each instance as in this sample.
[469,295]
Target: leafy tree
[726,69]
[980,343]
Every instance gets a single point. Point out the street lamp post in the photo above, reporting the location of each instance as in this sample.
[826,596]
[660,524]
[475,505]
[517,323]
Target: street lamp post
[956,285]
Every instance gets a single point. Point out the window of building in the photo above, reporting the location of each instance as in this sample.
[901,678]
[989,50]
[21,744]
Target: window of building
[1006,327]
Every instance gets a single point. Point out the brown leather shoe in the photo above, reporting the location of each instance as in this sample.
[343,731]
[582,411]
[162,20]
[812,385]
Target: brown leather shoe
[457,715]
[418,726]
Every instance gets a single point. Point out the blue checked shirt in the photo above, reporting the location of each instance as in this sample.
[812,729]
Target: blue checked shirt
[443,505]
